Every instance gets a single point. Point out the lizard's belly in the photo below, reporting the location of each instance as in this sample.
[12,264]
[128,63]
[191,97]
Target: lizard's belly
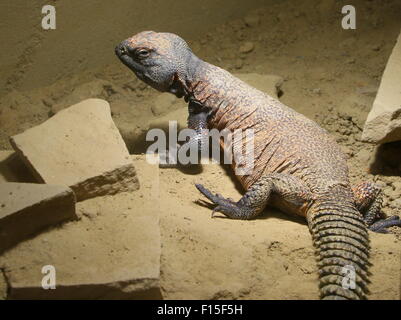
[265,154]
[285,143]
[278,153]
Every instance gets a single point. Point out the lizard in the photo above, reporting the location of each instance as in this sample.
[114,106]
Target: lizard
[298,167]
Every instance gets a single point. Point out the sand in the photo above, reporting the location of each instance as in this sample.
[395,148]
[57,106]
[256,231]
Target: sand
[331,75]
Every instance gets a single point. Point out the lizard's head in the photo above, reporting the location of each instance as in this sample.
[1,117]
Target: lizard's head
[158,59]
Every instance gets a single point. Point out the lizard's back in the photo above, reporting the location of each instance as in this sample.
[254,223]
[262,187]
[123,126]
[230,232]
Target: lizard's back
[285,141]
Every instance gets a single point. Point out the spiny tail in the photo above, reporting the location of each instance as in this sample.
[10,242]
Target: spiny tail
[342,246]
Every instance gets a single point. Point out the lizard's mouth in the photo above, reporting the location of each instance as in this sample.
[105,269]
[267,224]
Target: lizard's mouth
[173,86]
[125,58]
[140,70]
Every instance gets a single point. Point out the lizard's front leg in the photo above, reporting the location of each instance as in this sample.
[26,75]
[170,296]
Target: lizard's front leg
[368,199]
[197,121]
[289,188]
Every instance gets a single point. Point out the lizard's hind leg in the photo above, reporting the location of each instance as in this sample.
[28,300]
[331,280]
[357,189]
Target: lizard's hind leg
[289,188]
[368,199]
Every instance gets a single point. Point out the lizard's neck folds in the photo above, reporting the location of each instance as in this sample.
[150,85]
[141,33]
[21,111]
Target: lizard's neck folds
[201,83]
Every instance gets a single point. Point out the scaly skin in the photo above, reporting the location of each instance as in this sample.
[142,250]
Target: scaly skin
[298,167]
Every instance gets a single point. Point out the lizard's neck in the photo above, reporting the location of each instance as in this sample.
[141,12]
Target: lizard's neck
[200,83]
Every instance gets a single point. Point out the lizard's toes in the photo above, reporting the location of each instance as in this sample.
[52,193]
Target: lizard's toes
[215,198]
[206,192]
[226,206]
[216,209]
[224,209]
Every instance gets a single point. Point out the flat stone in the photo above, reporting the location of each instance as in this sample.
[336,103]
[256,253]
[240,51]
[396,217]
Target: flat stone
[12,169]
[384,120]
[252,20]
[267,83]
[79,147]
[27,208]
[247,47]
[112,252]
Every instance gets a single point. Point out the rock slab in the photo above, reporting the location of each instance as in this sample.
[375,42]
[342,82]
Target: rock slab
[79,147]
[384,120]
[12,169]
[27,208]
[112,252]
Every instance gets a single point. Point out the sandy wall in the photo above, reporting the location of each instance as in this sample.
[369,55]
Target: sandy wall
[87,32]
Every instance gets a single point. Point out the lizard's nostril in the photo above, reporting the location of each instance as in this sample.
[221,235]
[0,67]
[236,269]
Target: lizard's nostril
[121,50]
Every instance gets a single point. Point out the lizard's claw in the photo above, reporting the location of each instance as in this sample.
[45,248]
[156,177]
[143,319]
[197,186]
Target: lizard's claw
[215,198]
[223,205]
[220,209]
[206,192]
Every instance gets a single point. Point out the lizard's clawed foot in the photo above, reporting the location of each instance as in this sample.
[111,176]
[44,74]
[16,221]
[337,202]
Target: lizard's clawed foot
[381,225]
[226,206]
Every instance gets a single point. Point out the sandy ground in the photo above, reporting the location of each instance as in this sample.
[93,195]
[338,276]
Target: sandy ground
[330,74]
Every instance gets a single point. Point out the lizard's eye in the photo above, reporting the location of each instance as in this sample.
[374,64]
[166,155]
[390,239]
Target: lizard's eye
[142,53]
